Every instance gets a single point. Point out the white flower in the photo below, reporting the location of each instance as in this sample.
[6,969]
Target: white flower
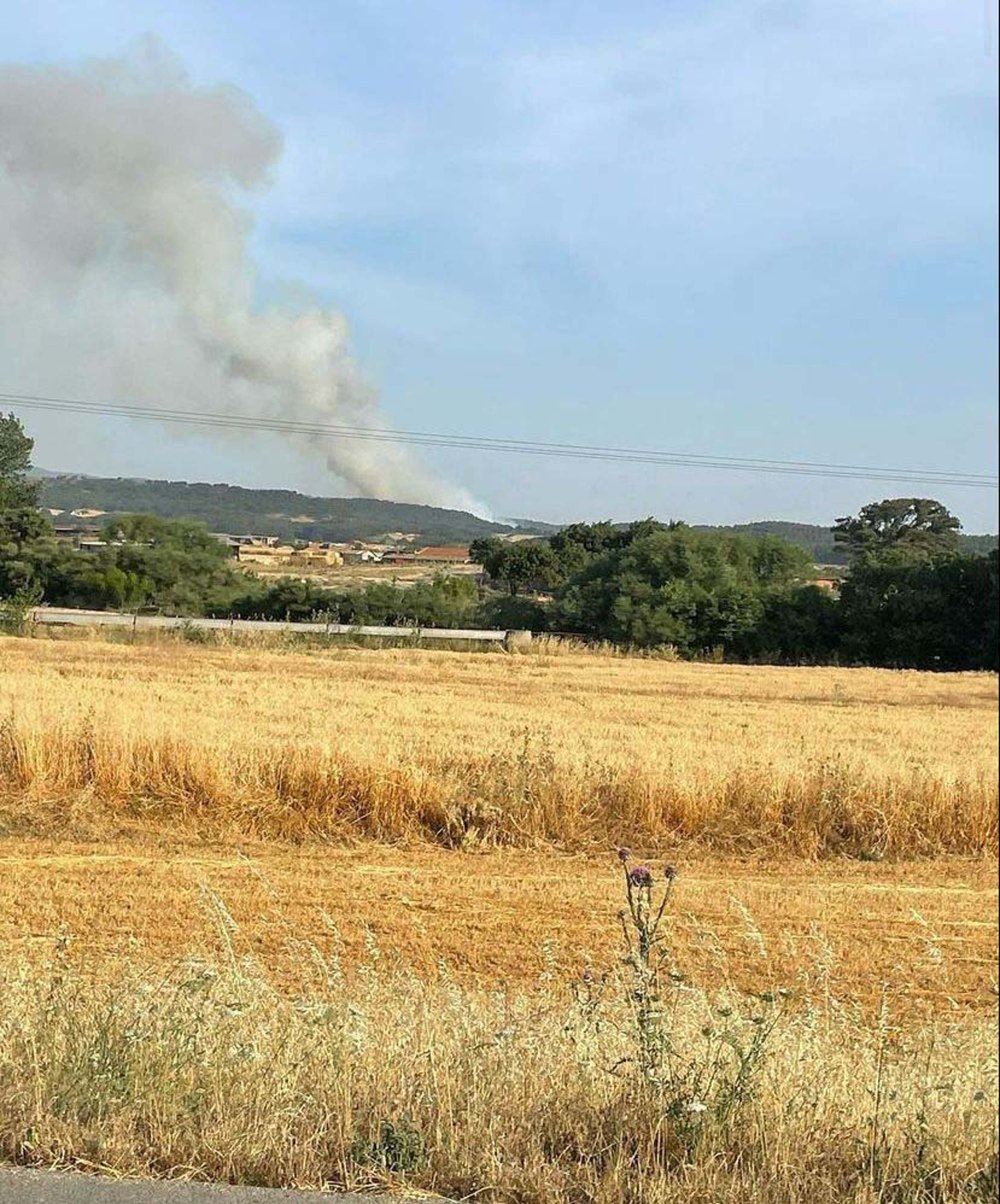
[696,1105]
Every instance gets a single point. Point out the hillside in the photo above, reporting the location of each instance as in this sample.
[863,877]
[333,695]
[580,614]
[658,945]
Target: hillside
[281,512]
[818,541]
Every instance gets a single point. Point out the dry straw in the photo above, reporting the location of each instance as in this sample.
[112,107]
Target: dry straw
[210,1070]
[462,748]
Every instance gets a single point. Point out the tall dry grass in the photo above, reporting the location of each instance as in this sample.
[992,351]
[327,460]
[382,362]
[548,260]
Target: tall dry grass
[209,1070]
[461,748]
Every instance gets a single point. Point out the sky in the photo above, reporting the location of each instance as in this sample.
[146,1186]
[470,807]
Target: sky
[755,229]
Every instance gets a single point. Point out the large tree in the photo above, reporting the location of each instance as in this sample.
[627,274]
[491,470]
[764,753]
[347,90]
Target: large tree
[900,530]
[21,521]
[695,590]
[182,567]
[529,565]
[929,614]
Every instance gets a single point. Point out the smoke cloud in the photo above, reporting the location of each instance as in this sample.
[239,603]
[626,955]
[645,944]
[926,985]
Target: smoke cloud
[124,268]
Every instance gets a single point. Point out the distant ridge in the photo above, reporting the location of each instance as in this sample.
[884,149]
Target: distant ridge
[293,515]
[818,541]
[46,474]
[281,512]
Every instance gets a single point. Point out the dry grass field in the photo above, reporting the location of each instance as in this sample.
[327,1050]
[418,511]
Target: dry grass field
[351,917]
[579,750]
[925,933]
[400,1081]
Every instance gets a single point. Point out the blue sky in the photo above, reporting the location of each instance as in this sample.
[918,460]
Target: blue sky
[747,229]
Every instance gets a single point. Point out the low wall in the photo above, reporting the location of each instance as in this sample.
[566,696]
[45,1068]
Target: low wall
[65,617]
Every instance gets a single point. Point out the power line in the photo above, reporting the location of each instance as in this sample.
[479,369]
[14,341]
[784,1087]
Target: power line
[577,451]
[484,443]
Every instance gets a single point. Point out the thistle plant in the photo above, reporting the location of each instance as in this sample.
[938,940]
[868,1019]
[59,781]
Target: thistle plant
[705,1077]
[645,960]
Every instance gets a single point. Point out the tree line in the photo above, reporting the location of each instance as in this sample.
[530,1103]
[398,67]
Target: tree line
[912,598]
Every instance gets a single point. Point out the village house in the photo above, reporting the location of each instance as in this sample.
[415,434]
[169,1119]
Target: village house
[317,555]
[361,556]
[263,553]
[74,535]
[457,554]
[831,584]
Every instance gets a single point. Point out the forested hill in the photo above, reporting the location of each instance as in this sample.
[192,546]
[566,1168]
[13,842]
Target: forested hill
[818,541]
[292,515]
[279,512]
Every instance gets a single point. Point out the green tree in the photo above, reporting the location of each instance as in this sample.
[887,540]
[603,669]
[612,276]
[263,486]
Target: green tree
[446,601]
[576,545]
[300,601]
[776,562]
[525,565]
[21,522]
[898,531]
[15,452]
[676,587]
[579,543]
[798,625]
[925,614]
[512,613]
[127,590]
[698,591]
[176,565]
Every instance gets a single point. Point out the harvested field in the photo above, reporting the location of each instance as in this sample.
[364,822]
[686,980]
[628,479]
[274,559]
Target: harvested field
[925,933]
[463,749]
[351,918]
[372,1017]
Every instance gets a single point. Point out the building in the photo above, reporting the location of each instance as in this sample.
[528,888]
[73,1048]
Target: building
[829,577]
[429,556]
[264,553]
[75,535]
[241,546]
[317,555]
[268,549]
[457,554]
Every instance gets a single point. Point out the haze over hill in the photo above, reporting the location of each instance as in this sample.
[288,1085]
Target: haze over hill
[292,515]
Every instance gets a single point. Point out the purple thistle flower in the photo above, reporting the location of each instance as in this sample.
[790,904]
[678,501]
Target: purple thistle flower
[670,872]
[623,854]
[640,875]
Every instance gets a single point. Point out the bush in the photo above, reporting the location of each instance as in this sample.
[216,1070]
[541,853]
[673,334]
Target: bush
[443,602]
[798,625]
[14,610]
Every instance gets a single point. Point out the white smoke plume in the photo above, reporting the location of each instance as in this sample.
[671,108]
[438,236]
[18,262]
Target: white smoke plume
[124,268]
